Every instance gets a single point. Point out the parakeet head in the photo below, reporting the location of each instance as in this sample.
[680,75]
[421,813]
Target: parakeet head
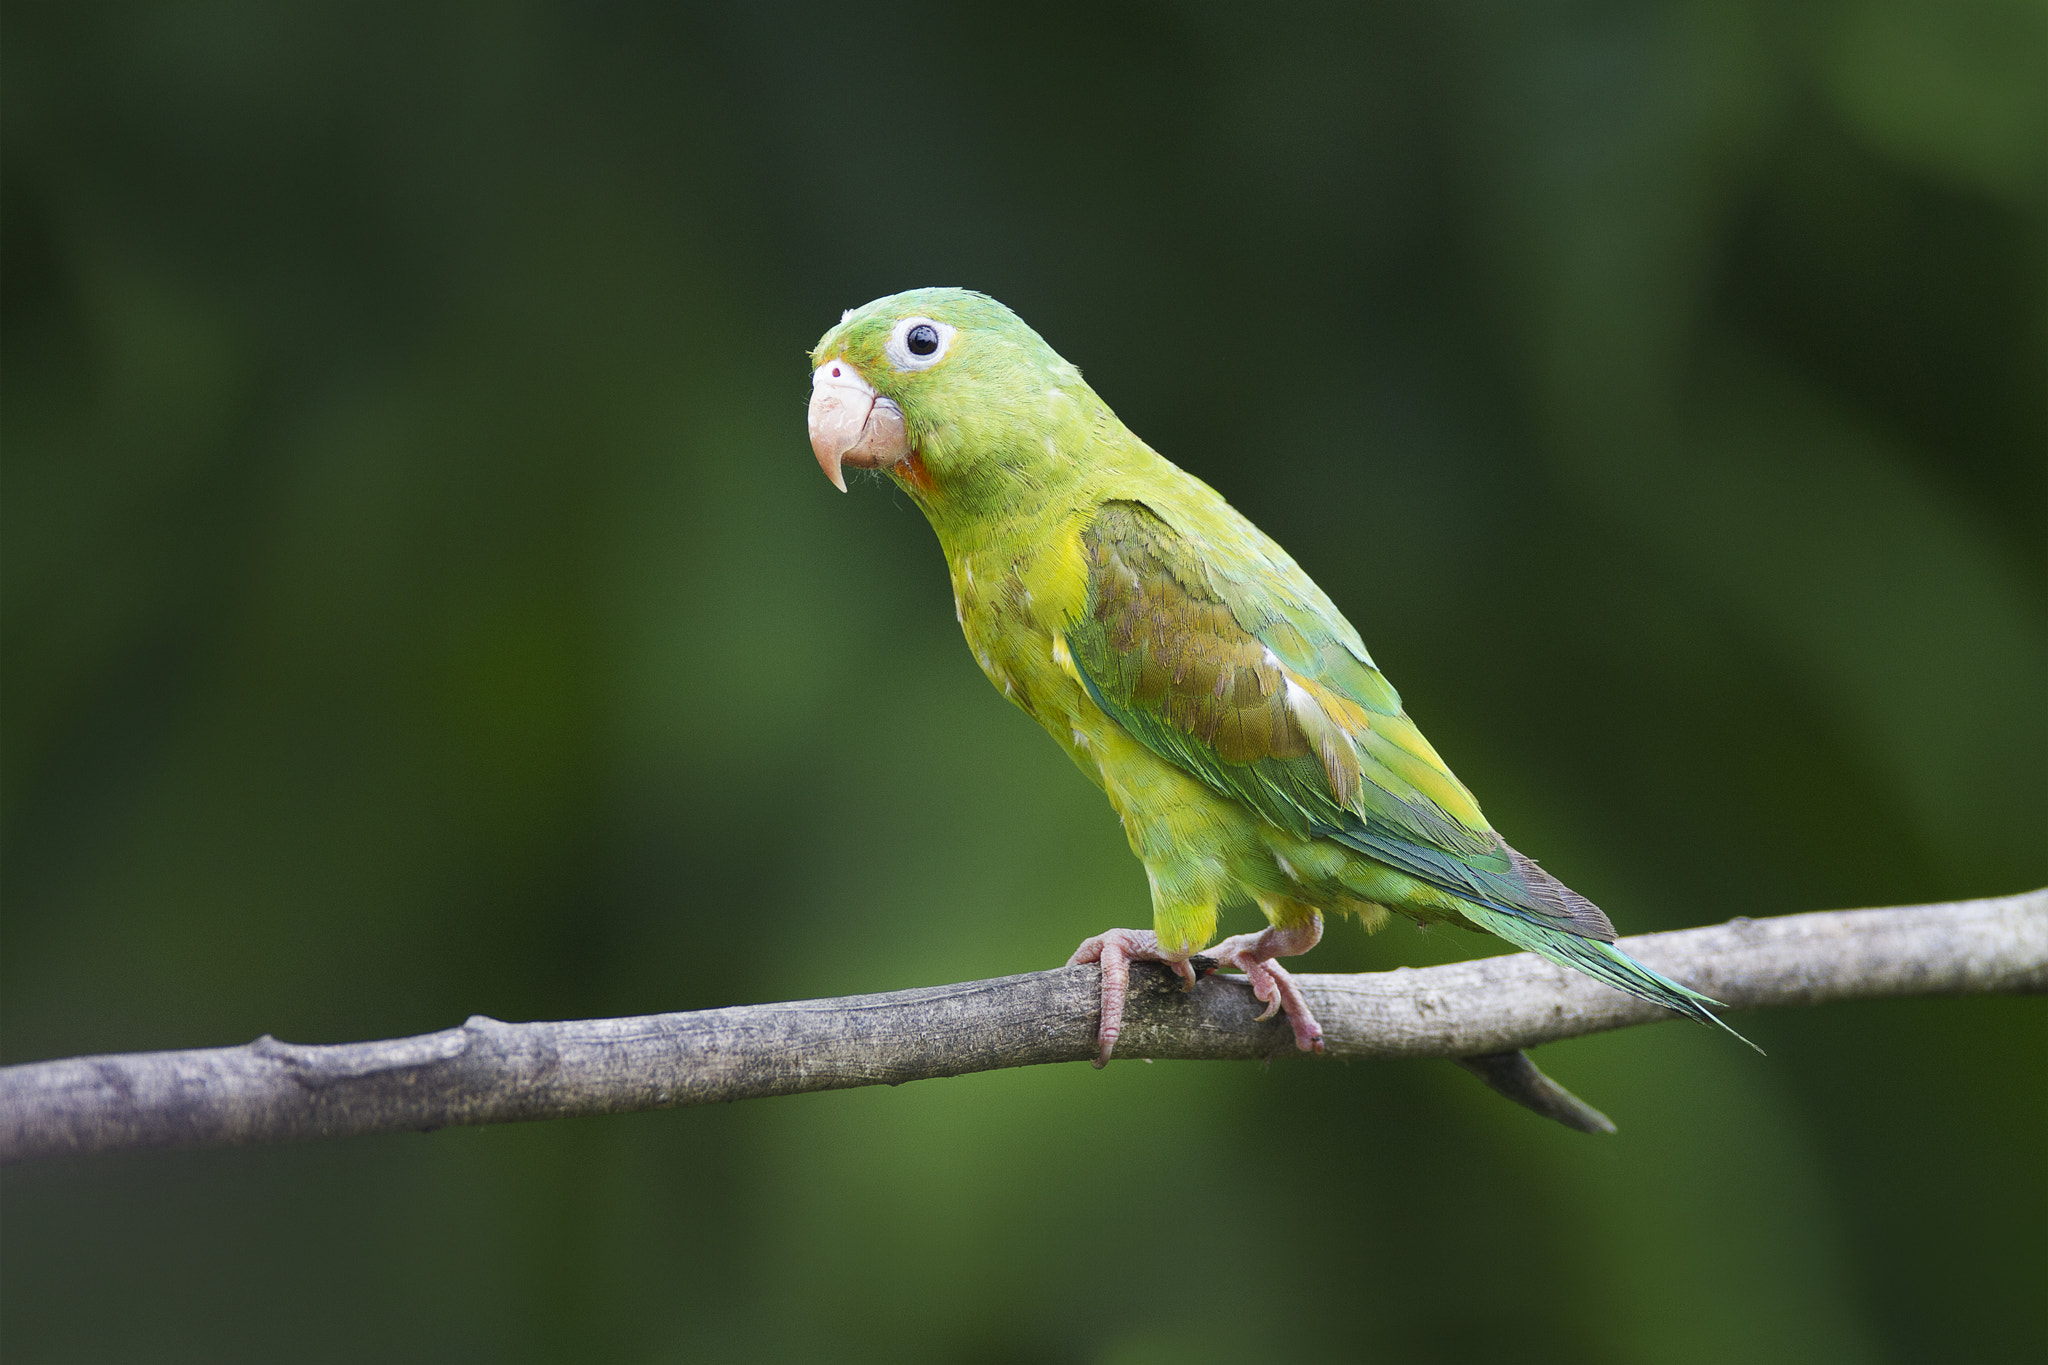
[944,388]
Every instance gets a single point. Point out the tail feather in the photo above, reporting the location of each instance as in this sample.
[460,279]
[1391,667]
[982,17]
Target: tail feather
[1603,962]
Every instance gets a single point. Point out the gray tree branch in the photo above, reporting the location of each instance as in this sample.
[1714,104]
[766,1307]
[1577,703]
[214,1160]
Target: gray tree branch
[1480,1013]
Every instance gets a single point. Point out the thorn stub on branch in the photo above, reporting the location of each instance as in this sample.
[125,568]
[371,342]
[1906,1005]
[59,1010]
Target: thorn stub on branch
[1513,1076]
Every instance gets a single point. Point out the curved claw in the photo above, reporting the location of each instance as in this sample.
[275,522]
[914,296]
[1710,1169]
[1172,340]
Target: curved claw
[1116,950]
[1273,984]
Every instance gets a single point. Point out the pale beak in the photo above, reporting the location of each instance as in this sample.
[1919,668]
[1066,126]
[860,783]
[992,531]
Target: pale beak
[851,424]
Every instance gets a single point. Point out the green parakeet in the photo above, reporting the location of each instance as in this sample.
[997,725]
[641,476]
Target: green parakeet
[1231,714]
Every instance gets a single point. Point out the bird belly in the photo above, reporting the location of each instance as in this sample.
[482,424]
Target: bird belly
[1203,850]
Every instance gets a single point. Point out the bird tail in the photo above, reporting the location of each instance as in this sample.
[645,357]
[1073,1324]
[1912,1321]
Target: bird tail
[1602,961]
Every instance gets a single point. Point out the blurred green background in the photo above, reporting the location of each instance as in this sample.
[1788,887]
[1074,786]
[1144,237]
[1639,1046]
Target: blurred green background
[419,599]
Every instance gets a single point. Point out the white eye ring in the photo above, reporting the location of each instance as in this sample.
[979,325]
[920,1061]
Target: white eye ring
[899,352]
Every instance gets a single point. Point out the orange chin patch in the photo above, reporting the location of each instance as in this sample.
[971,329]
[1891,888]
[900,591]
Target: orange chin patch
[913,472]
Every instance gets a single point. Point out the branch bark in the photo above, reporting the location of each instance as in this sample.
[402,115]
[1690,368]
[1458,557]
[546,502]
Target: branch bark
[1480,1013]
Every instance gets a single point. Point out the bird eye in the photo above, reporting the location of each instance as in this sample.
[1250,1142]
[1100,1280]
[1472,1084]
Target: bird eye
[918,343]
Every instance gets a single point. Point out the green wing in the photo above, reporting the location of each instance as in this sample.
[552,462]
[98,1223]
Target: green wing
[1250,681]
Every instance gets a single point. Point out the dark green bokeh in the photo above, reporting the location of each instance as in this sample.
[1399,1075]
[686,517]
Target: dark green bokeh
[419,600]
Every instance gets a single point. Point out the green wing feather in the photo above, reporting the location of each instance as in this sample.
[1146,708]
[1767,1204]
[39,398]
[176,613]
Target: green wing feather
[1235,667]
[1251,682]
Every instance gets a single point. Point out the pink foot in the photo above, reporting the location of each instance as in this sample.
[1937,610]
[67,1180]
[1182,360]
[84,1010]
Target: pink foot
[1253,955]
[1116,950]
